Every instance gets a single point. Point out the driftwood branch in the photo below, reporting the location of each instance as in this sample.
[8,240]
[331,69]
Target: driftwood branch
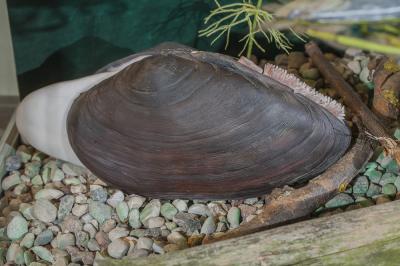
[288,206]
[353,101]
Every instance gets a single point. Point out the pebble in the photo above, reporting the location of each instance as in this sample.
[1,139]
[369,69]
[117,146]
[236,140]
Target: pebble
[122,210]
[44,238]
[93,245]
[17,227]
[168,211]
[72,181]
[90,229]
[56,175]
[71,223]
[37,180]
[65,206]
[108,225]
[134,219]
[44,211]
[11,181]
[389,189]
[135,202]
[73,170]
[15,254]
[99,194]
[387,178]
[32,169]
[118,248]
[13,163]
[355,66]
[296,59]
[199,209]
[144,243]
[246,210]
[180,205]
[154,222]
[361,185]
[82,238]
[373,175]
[341,199]
[116,198]
[99,211]
[62,241]
[28,240]
[118,232]
[43,253]
[233,217]
[78,189]
[208,226]
[177,239]
[49,194]
[187,221]
[373,190]
[80,209]
[152,209]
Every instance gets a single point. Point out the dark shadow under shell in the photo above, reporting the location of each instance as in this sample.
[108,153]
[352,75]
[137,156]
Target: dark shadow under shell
[200,125]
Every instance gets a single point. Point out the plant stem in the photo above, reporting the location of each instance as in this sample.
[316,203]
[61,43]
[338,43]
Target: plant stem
[252,30]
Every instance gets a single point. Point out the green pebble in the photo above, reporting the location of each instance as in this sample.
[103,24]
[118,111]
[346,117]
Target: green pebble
[389,189]
[339,200]
[28,257]
[387,178]
[122,211]
[99,211]
[392,167]
[43,253]
[234,217]
[32,169]
[372,165]
[373,175]
[56,175]
[152,209]
[361,185]
[168,210]
[37,180]
[134,219]
[17,227]
[397,183]
[373,190]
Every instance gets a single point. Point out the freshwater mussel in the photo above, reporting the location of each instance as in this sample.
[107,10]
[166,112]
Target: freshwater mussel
[173,122]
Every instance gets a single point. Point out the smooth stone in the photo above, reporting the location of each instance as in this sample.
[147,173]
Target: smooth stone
[13,163]
[20,189]
[373,175]
[135,202]
[152,209]
[216,209]
[24,153]
[361,185]
[80,209]
[29,257]
[340,200]
[56,175]
[233,217]
[81,199]
[99,211]
[389,189]
[65,207]
[44,211]
[76,189]
[36,227]
[43,253]
[157,248]
[122,210]
[118,232]
[99,194]
[115,198]
[373,190]
[11,181]
[171,225]
[181,205]
[177,239]
[187,221]
[28,240]
[15,254]
[49,194]
[118,248]
[208,226]
[44,238]
[108,225]
[354,66]
[62,241]
[37,180]
[17,227]
[82,238]
[387,178]
[310,73]
[92,245]
[72,181]
[199,209]
[137,253]
[154,222]
[71,223]
[134,219]
[27,211]
[32,169]
[144,243]
[168,211]
[397,183]
[90,229]
[73,170]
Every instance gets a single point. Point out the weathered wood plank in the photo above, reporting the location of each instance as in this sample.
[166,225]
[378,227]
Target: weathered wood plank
[344,238]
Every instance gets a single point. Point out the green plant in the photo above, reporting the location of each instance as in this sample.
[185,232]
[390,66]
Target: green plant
[232,15]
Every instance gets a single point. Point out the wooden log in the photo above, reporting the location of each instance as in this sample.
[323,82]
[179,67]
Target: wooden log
[369,236]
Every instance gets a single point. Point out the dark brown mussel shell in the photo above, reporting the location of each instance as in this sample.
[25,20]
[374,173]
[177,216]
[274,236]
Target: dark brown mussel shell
[190,124]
